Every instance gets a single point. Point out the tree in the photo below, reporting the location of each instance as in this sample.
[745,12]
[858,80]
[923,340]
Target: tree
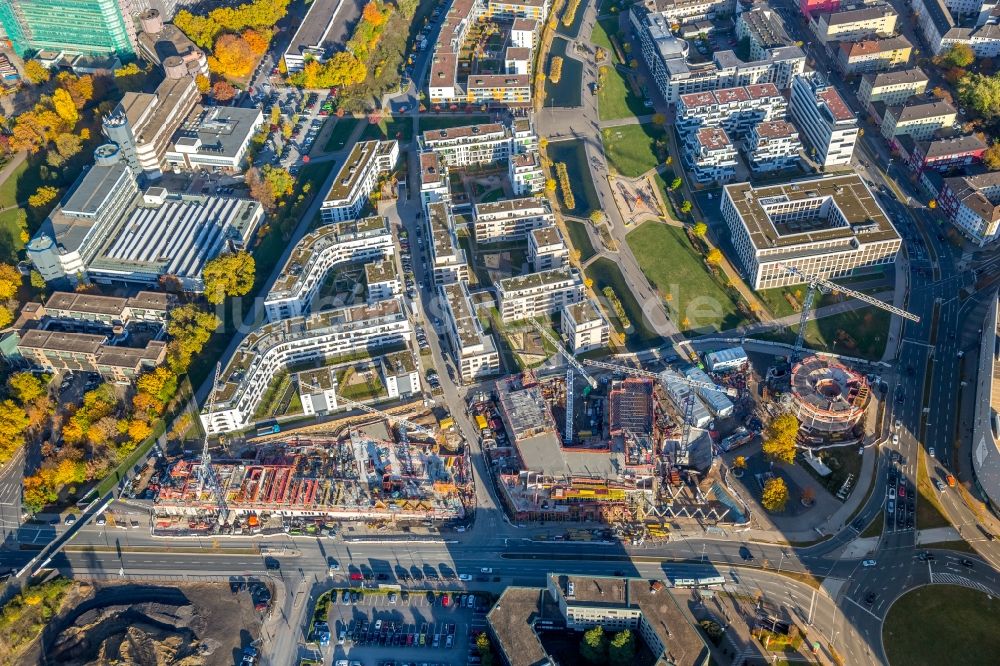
[138,430]
[132,69]
[257,41]
[958,55]
[676,183]
[659,119]
[740,463]
[68,145]
[714,256]
[65,107]
[203,83]
[36,72]
[779,438]
[485,649]
[775,495]
[808,496]
[597,216]
[37,281]
[223,91]
[13,423]
[228,275]
[373,14]
[26,387]
[189,329]
[686,206]
[158,382]
[991,157]
[231,57]
[10,282]
[932,204]
[550,184]
[80,88]
[700,230]
[275,114]
[6,316]
[981,93]
[621,651]
[594,647]
[43,195]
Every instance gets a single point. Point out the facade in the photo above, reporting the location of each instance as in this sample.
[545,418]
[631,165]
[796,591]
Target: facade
[854,22]
[510,219]
[920,119]
[975,23]
[353,241]
[873,55]
[710,155]
[274,346]
[942,154]
[826,122]
[143,125]
[681,11]
[972,204]
[357,178]
[826,227]
[892,87]
[399,374]
[537,294]
[584,327]
[433,179]
[725,360]
[468,145]
[382,280]
[215,139]
[475,351]
[525,173]
[89,27]
[547,249]
[763,28]
[735,110]
[448,261]
[536,10]
[810,7]
[773,146]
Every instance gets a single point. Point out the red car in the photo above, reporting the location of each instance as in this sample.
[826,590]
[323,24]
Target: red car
[902,491]
[444,600]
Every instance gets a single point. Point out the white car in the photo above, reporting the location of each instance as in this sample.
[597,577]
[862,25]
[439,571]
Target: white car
[892,492]
[931,452]
[868,563]
[464,577]
[895,438]
[486,570]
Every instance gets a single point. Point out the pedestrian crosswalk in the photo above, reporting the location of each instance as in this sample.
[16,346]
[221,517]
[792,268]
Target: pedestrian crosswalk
[955,579]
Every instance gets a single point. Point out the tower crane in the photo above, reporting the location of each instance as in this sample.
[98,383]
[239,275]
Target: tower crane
[565,352]
[206,475]
[815,283]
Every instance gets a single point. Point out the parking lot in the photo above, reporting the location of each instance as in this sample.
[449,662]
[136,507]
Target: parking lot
[402,627]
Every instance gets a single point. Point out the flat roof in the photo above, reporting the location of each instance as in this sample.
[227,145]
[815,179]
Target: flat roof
[106,305]
[222,130]
[313,29]
[467,325]
[399,362]
[858,14]
[714,138]
[92,189]
[539,279]
[584,311]
[524,205]
[547,235]
[775,129]
[485,132]
[835,104]
[511,619]
[380,271]
[353,169]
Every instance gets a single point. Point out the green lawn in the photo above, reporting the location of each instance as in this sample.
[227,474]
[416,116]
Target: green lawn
[493,195]
[573,154]
[942,624]
[631,149]
[600,36]
[433,122]
[860,333]
[20,185]
[615,99]
[340,133]
[11,222]
[672,265]
[8,188]
[390,128]
[605,273]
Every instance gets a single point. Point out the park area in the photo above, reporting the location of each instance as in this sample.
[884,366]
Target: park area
[615,98]
[942,624]
[861,333]
[14,192]
[340,133]
[632,150]
[680,276]
[435,122]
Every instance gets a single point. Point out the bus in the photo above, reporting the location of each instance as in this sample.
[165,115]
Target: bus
[268,429]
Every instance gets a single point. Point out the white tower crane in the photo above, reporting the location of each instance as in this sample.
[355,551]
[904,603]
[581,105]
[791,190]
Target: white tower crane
[206,474]
[565,352]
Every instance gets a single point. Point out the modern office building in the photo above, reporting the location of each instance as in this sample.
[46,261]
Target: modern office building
[710,154]
[876,19]
[475,351]
[276,345]
[547,249]
[537,294]
[317,35]
[584,326]
[352,241]
[891,87]
[975,23]
[89,27]
[448,260]
[214,139]
[972,204]
[873,55]
[510,219]
[827,123]
[357,178]
[919,118]
[773,146]
[827,227]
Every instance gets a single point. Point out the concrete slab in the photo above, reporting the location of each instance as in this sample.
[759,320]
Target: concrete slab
[859,548]
[831,586]
[938,534]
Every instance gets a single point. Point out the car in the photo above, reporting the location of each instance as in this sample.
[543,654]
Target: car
[745,554]
[940,486]
[465,577]
[392,597]
[101,520]
[345,597]
[488,570]
[966,562]
[898,423]
[868,563]
[341,637]
[870,598]
[892,492]
[895,438]
[70,519]
[444,600]
[449,641]
[902,491]
[931,452]
[271,564]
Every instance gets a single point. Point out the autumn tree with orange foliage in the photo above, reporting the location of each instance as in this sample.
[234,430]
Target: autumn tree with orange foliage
[257,40]
[373,14]
[223,91]
[232,57]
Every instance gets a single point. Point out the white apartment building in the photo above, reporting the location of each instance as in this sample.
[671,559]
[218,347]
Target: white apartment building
[710,155]
[475,351]
[400,374]
[353,241]
[975,23]
[854,21]
[547,249]
[448,259]
[972,204]
[510,219]
[827,227]
[433,179]
[524,32]
[892,87]
[525,173]
[274,346]
[683,11]
[773,146]
[537,294]
[517,60]
[920,119]
[735,110]
[469,144]
[827,123]
[537,10]
[382,280]
[357,178]
[584,326]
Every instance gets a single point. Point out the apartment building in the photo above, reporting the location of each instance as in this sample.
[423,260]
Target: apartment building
[682,11]
[735,110]
[892,87]
[60,351]
[353,241]
[524,33]
[825,120]
[972,204]
[975,23]
[400,374]
[773,146]
[468,145]
[763,28]
[382,280]
[273,347]
[536,10]
[538,294]
[448,261]
[526,174]
[475,351]
[710,155]
[82,309]
[214,139]
[810,7]
[510,219]
[547,249]
[433,179]
[941,154]
[584,327]
[919,118]
[856,21]
[827,227]
[143,125]
[873,55]
[357,178]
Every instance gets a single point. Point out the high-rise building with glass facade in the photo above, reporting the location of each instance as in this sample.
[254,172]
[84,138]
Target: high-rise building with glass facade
[92,27]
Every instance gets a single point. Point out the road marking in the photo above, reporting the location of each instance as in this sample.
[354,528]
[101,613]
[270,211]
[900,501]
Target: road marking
[864,609]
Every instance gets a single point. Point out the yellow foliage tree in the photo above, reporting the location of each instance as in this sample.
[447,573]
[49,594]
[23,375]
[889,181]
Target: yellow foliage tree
[228,275]
[26,386]
[138,430]
[779,438]
[36,73]
[42,196]
[231,57]
[775,494]
[64,105]
[10,282]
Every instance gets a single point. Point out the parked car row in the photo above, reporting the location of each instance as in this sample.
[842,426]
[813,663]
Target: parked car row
[387,633]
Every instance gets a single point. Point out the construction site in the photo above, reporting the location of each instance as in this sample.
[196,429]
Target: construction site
[828,398]
[607,444]
[312,482]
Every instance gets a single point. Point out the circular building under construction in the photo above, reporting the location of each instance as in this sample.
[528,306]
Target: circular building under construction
[828,398]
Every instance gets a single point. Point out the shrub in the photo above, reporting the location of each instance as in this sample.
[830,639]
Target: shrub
[555,69]
[564,186]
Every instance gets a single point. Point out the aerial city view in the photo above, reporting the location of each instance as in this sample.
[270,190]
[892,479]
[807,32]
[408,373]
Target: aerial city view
[499,332]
